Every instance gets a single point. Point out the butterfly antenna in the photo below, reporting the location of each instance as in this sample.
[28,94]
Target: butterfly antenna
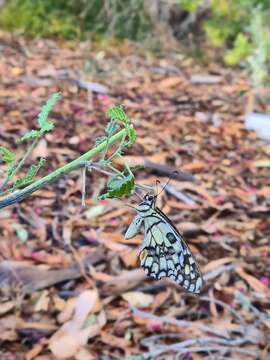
[167,182]
[157,185]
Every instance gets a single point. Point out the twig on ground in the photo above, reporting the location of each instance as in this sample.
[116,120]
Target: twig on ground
[169,171]
[179,195]
[220,270]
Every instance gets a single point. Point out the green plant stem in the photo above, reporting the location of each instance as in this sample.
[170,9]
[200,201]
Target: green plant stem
[115,170]
[117,151]
[75,164]
[18,167]
[126,164]
[26,155]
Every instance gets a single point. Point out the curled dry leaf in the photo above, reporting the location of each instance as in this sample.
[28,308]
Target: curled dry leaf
[6,306]
[125,281]
[74,334]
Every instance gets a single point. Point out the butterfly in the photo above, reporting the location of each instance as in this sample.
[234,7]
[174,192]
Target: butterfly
[164,252]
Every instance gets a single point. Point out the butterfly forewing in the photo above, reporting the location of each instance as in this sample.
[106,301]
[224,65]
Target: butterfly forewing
[134,227]
[164,252]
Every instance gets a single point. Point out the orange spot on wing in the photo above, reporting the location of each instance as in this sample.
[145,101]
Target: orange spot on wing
[143,254]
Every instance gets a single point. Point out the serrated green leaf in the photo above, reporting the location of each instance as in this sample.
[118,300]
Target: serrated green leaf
[19,183]
[44,124]
[32,134]
[119,187]
[43,115]
[30,174]
[48,126]
[32,171]
[100,139]
[7,156]
[118,113]
[131,135]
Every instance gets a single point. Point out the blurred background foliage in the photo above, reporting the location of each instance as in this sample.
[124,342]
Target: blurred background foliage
[239,29]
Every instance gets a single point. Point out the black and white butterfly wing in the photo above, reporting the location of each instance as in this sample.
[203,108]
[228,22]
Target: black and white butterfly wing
[134,227]
[165,253]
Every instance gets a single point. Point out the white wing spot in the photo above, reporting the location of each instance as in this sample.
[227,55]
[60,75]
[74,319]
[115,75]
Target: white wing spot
[175,259]
[187,269]
[163,263]
[170,264]
[198,284]
[181,259]
[180,278]
[155,268]
[186,283]
[149,261]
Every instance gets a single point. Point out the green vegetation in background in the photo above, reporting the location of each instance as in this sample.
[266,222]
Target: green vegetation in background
[230,25]
[71,19]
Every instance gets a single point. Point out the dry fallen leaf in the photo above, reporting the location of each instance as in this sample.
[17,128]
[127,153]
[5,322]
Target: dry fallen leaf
[6,307]
[138,299]
[35,351]
[256,284]
[216,263]
[74,334]
[43,302]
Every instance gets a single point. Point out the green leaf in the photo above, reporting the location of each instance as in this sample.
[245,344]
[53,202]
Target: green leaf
[114,181]
[100,139]
[111,128]
[131,135]
[7,156]
[48,126]
[118,187]
[241,49]
[44,124]
[32,134]
[28,177]
[118,113]
[43,115]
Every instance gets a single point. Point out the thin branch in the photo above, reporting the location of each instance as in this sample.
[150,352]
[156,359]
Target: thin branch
[75,164]
[181,323]
[230,309]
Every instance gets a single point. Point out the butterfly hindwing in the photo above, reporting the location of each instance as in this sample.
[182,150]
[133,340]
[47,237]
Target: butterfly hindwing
[164,253]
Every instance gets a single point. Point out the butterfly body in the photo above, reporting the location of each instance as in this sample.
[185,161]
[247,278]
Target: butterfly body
[164,252]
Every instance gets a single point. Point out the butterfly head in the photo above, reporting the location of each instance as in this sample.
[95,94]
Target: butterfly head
[148,202]
[149,198]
